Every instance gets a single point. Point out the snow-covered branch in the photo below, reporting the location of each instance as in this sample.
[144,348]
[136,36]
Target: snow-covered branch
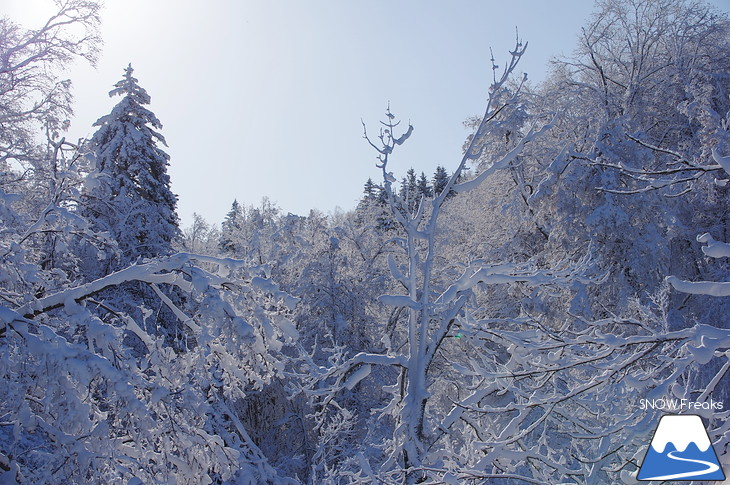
[166,270]
[714,249]
[506,160]
[151,396]
[710,288]
[435,306]
[681,171]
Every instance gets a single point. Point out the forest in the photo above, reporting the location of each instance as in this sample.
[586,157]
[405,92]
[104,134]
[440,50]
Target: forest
[504,320]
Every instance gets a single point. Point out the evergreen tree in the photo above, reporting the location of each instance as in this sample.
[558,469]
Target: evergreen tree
[424,188]
[231,229]
[370,190]
[409,191]
[440,179]
[373,206]
[371,194]
[128,194]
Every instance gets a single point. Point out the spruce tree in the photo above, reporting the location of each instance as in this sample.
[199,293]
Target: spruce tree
[231,229]
[424,188]
[373,206]
[409,190]
[128,195]
[370,190]
[440,179]
[370,195]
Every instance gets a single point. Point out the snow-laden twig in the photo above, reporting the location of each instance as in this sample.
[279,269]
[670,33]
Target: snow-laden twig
[162,271]
[682,171]
[709,288]
[714,249]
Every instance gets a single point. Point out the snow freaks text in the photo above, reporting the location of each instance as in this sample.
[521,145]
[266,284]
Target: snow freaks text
[680,405]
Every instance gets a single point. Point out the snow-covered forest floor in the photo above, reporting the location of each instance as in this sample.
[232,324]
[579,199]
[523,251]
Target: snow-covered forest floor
[502,321]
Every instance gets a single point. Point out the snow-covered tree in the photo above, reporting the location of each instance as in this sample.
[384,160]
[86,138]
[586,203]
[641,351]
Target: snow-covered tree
[498,324]
[370,190]
[409,191]
[424,189]
[39,183]
[373,206]
[433,307]
[201,237]
[231,229]
[92,391]
[128,194]
[81,405]
[713,249]
[32,93]
[258,237]
[489,377]
[440,179]
[639,100]
[657,71]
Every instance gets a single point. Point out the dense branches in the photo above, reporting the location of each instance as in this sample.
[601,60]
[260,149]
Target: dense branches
[31,92]
[499,322]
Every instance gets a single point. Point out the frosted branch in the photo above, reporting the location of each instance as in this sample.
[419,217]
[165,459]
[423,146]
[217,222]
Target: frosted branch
[505,160]
[153,272]
[189,322]
[714,249]
[709,288]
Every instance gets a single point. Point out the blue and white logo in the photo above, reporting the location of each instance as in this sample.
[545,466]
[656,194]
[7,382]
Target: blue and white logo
[681,450]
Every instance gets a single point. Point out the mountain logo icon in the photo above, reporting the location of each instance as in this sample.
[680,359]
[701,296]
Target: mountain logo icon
[680,450]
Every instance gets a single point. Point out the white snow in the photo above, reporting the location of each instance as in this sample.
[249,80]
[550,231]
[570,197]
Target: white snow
[711,288]
[287,327]
[361,373]
[714,249]
[724,162]
[680,430]
[399,300]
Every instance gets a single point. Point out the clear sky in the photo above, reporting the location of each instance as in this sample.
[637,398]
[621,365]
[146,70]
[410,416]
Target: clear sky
[264,98]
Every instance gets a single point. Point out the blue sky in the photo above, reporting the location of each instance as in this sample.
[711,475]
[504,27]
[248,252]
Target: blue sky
[264,98]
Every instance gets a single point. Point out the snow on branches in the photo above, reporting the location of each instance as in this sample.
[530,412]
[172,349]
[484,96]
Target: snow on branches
[85,402]
[435,309]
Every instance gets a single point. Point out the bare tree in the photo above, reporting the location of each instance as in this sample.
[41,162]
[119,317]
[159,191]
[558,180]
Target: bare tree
[31,91]
[654,75]
[39,184]
[200,237]
[435,310]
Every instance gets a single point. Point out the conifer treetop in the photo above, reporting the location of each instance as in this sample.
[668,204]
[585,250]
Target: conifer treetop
[131,108]
[131,194]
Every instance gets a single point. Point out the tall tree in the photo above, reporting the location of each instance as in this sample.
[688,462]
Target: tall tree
[129,191]
[38,184]
[201,237]
[434,307]
[370,191]
[373,206]
[645,97]
[424,189]
[440,179]
[231,230]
